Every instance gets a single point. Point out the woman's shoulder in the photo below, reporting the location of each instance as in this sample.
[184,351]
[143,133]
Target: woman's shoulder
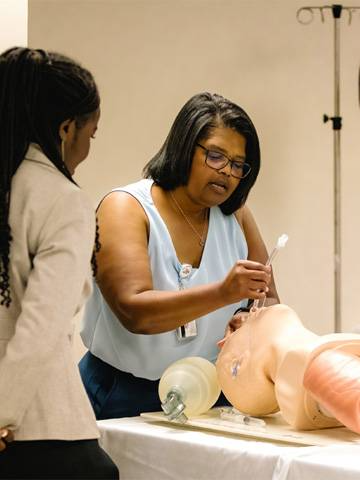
[141,190]
[31,171]
[128,197]
[40,186]
[242,214]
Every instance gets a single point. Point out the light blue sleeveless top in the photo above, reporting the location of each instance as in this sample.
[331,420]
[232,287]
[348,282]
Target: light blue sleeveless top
[147,356]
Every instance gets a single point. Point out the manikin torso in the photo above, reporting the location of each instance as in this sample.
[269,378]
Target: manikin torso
[261,366]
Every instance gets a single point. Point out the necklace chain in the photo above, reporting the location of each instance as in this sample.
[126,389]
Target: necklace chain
[200,237]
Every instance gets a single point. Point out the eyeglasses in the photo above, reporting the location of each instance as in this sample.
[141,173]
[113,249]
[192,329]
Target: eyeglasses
[217,161]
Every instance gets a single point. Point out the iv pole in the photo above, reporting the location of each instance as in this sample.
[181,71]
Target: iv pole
[336,121]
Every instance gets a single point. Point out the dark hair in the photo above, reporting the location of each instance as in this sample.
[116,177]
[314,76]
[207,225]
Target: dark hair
[170,167]
[38,91]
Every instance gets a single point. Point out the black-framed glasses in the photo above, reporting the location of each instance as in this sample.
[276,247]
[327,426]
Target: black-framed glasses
[218,160]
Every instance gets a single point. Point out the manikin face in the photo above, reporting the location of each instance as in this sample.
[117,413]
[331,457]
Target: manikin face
[77,140]
[206,185]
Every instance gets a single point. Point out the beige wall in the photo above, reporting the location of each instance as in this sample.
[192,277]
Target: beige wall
[13,23]
[150,56]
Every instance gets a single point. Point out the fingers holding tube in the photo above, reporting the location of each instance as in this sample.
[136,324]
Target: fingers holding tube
[246,279]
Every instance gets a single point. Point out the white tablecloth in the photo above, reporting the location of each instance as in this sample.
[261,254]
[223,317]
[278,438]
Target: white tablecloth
[154,451]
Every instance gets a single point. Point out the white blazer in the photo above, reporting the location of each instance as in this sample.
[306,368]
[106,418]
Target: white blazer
[52,227]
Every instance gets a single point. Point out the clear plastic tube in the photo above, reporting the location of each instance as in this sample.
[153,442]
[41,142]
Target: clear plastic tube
[282,240]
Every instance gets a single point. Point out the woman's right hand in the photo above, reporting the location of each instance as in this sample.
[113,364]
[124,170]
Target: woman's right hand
[246,279]
[6,436]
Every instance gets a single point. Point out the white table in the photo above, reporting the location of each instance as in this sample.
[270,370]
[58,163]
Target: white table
[146,450]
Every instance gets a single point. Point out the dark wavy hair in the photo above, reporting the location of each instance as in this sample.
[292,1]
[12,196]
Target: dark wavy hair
[38,91]
[170,167]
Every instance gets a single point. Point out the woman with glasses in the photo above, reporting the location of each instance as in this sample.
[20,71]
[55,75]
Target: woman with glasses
[180,253]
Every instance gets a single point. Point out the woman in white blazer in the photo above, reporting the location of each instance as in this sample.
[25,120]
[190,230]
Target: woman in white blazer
[49,110]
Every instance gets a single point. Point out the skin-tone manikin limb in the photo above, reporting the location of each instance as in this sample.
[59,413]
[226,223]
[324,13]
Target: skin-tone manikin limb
[264,365]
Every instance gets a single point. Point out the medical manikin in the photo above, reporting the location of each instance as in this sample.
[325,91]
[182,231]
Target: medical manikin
[272,362]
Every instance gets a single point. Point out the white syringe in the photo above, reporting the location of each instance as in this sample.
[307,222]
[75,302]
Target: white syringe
[279,244]
[232,415]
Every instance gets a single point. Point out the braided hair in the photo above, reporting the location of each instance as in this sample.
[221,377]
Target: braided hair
[38,91]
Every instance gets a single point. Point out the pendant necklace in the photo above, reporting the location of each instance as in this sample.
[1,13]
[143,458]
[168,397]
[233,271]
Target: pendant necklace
[200,237]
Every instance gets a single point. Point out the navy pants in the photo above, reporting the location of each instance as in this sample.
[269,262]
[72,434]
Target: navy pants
[56,459]
[115,394]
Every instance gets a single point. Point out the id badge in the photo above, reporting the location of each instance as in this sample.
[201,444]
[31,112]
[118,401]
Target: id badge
[187,331]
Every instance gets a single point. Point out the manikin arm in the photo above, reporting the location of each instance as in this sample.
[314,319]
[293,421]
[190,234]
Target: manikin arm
[333,379]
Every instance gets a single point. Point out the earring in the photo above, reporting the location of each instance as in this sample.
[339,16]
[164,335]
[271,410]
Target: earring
[63,150]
